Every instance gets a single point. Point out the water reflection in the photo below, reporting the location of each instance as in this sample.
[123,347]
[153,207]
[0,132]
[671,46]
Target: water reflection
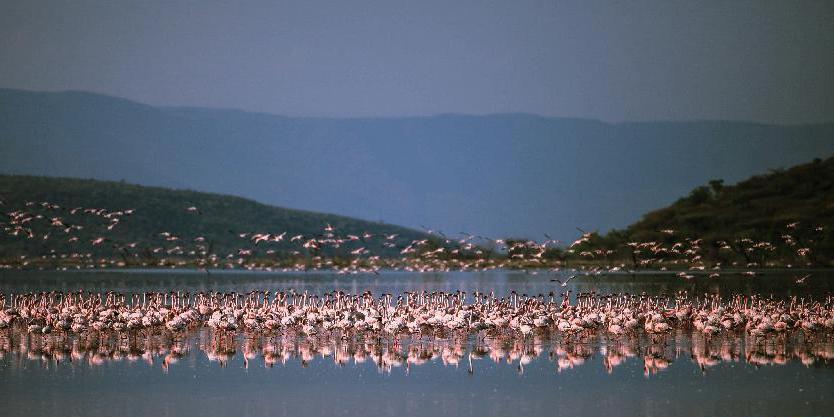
[682,372]
[165,350]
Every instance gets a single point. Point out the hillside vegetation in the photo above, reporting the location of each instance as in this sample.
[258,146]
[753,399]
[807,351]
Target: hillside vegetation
[783,217]
[759,207]
[44,216]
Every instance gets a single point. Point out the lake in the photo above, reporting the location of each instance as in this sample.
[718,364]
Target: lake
[204,374]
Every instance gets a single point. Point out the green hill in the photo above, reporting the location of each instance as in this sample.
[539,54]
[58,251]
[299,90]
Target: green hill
[155,222]
[759,207]
[767,218]
[783,217]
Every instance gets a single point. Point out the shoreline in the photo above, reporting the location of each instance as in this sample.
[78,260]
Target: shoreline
[390,271]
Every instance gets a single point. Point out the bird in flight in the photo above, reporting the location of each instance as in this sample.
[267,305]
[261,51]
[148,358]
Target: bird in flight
[564,284]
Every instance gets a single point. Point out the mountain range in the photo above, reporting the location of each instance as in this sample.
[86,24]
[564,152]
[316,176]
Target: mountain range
[500,175]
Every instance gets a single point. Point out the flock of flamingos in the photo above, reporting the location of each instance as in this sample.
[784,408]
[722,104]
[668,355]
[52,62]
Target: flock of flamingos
[50,224]
[392,329]
[413,328]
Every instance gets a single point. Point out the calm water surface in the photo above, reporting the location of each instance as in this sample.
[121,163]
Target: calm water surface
[542,375]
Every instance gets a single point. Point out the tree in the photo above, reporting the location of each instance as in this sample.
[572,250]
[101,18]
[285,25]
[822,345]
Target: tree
[716,186]
[700,195]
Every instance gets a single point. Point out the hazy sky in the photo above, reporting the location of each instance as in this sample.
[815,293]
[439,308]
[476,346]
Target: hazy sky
[769,61]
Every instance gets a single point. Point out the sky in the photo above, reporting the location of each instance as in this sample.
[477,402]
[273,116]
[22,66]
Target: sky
[764,61]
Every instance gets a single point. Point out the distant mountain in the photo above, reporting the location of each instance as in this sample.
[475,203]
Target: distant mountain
[500,175]
[219,220]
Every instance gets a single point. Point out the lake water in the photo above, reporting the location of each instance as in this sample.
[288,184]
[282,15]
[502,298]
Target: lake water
[543,375]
